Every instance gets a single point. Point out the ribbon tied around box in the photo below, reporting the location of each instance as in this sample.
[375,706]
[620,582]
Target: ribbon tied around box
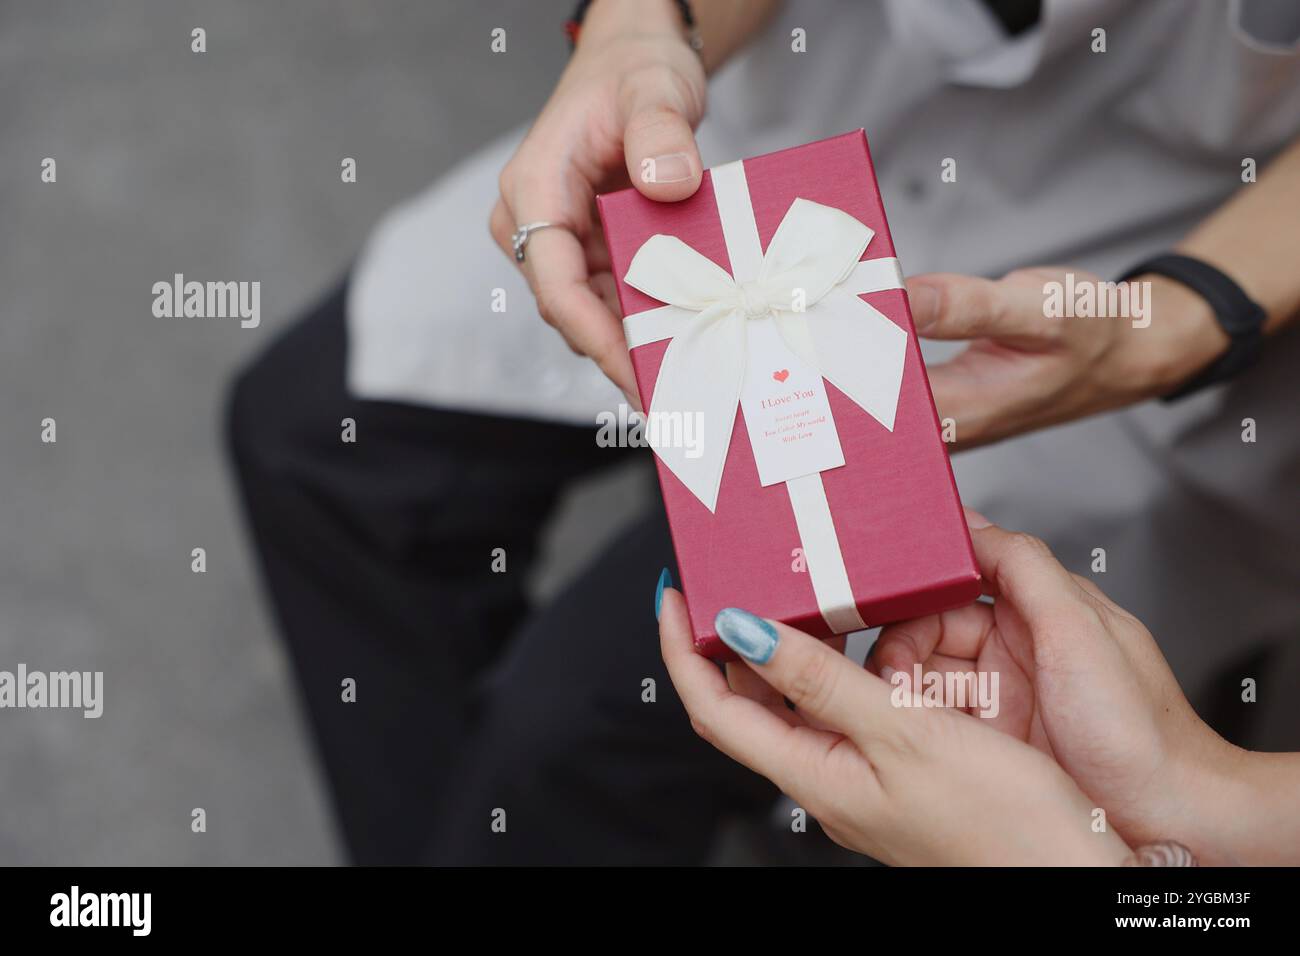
[794,310]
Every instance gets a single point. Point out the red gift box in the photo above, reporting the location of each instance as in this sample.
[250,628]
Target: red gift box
[899,541]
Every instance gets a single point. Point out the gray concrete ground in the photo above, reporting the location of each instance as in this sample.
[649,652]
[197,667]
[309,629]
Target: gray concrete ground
[221,164]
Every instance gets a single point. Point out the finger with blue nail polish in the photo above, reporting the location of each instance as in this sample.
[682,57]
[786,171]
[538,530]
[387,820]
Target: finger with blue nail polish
[828,690]
[665,581]
[747,634]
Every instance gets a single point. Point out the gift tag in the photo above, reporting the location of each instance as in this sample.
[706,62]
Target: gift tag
[786,410]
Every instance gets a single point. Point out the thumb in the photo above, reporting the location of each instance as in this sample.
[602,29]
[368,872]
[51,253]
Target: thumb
[663,161]
[820,682]
[951,306]
[1021,570]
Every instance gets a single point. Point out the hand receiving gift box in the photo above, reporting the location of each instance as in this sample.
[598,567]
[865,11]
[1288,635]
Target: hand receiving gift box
[797,445]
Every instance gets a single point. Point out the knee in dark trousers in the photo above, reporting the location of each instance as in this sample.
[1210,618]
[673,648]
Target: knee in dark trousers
[375,524]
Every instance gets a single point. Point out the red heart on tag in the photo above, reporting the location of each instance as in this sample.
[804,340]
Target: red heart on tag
[782,375]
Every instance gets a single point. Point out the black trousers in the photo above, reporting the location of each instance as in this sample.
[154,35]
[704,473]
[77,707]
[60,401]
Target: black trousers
[470,707]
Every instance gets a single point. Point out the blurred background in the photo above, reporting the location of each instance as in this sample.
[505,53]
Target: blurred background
[221,164]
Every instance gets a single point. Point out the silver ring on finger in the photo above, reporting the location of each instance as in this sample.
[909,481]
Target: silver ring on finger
[519,238]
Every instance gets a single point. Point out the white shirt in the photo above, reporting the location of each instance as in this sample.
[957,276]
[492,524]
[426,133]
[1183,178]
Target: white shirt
[1063,156]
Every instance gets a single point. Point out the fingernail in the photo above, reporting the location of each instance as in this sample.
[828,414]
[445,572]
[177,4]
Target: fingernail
[887,674]
[747,634]
[665,581]
[975,520]
[669,168]
[924,300]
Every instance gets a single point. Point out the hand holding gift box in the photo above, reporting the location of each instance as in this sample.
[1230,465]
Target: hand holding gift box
[834,508]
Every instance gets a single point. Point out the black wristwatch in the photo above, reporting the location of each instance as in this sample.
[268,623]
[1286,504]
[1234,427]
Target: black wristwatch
[573,26]
[1237,313]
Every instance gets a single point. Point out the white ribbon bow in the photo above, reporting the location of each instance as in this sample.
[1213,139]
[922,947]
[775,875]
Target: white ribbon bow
[807,284]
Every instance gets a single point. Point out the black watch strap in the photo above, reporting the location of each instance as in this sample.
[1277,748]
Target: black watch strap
[573,26]
[1237,314]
